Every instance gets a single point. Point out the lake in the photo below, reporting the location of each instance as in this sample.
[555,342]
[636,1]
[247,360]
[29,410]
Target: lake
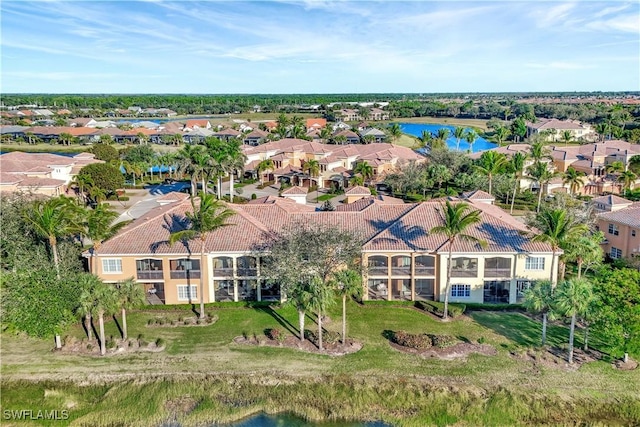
[286,420]
[416,129]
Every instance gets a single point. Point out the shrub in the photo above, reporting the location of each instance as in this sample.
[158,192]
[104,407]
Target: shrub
[442,341]
[160,322]
[481,340]
[437,308]
[328,337]
[160,342]
[123,198]
[151,322]
[110,343]
[417,341]
[273,333]
[253,196]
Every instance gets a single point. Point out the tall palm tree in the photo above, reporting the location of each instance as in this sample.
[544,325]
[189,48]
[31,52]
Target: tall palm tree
[538,151]
[142,138]
[207,216]
[234,162]
[347,284]
[566,136]
[456,221]
[574,179]
[517,163]
[584,249]
[99,226]
[572,299]
[54,219]
[471,137]
[490,164]
[500,134]
[321,297]
[424,140]
[395,132]
[190,161]
[263,166]
[130,294]
[458,133]
[102,299]
[312,167]
[627,178]
[556,228]
[539,299]
[540,172]
[87,282]
[614,167]
[66,138]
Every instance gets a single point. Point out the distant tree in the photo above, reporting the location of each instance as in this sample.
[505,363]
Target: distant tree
[138,154]
[539,299]
[501,133]
[566,136]
[395,132]
[105,152]
[263,166]
[98,225]
[585,250]
[574,179]
[573,298]
[517,164]
[364,169]
[540,172]
[518,128]
[102,300]
[471,138]
[490,164]
[458,133]
[627,178]
[129,295]
[105,139]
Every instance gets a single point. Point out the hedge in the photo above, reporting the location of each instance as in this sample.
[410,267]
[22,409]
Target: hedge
[328,337]
[494,307]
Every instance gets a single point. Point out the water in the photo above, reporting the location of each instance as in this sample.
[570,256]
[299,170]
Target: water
[286,420]
[416,129]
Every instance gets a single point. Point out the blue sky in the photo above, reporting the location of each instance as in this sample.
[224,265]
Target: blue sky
[318,46]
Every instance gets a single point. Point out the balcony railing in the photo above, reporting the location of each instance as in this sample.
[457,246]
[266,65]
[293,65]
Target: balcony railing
[182,274]
[244,272]
[379,270]
[425,271]
[150,274]
[497,272]
[223,272]
[401,271]
[464,273]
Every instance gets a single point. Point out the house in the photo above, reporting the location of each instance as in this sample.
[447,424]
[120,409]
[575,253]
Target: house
[552,130]
[296,193]
[228,134]
[82,122]
[348,115]
[378,114]
[255,137]
[356,193]
[40,173]
[194,124]
[403,259]
[478,196]
[621,228]
[610,203]
[376,135]
[316,124]
[350,136]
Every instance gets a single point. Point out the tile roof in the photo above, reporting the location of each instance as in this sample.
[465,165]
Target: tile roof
[477,195]
[358,190]
[296,190]
[628,216]
[611,200]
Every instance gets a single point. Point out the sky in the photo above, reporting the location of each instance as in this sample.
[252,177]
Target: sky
[273,47]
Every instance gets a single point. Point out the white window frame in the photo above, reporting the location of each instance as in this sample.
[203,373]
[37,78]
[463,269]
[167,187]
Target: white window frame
[613,229]
[462,290]
[117,262]
[615,253]
[530,264]
[182,290]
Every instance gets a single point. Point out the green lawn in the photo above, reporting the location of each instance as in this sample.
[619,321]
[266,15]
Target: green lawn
[325,197]
[228,380]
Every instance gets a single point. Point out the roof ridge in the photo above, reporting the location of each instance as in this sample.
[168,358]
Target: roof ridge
[390,225]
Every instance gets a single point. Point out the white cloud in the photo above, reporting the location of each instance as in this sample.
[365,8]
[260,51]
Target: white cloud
[545,16]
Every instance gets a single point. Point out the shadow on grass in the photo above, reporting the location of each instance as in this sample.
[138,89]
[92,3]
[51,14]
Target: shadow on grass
[520,329]
[279,318]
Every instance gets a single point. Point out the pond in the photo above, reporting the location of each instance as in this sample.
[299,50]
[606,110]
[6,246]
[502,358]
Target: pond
[282,420]
[415,129]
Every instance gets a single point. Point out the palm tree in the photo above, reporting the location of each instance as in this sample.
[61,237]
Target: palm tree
[356,180]
[312,167]
[539,299]
[130,294]
[142,138]
[490,164]
[501,133]
[566,136]
[87,282]
[105,138]
[603,129]
[471,137]
[234,162]
[263,166]
[99,226]
[627,178]
[395,132]
[364,169]
[347,284]
[574,179]
[538,151]
[573,298]
[53,219]
[615,167]
[517,163]
[556,228]
[458,133]
[539,172]
[424,140]
[340,139]
[208,216]
[321,297]
[103,300]
[456,220]
[584,249]
[66,138]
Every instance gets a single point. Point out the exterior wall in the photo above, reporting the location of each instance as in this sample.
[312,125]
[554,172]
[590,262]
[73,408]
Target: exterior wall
[625,241]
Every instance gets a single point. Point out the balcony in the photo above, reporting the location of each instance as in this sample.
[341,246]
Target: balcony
[379,271]
[182,274]
[497,272]
[247,272]
[223,272]
[460,272]
[425,271]
[149,274]
[401,271]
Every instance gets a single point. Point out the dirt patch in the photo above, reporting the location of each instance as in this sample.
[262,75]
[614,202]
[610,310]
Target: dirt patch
[335,349]
[554,357]
[456,351]
[114,346]
[165,322]
[629,366]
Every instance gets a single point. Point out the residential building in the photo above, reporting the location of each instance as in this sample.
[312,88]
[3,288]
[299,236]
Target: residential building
[552,129]
[402,258]
[621,228]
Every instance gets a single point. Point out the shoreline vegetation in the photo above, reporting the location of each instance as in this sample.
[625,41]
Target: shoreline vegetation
[203,376]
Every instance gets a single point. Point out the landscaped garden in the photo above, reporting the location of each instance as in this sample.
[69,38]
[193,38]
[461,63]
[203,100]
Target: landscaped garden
[204,376]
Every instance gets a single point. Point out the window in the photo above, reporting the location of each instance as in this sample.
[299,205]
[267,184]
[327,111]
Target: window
[534,263]
[460,290]
[633,233]
[112,265]
[187,293]
[615,253]
[613,229]
[521,287]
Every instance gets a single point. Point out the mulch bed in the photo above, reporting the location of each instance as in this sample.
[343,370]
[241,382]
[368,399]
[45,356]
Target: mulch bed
[92,348]
[456,351]
[629,366]
[554,357]
[337,349]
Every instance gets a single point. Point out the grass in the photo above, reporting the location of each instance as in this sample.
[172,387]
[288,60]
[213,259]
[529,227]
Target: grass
[325,197]
[227,381]
[478,124]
